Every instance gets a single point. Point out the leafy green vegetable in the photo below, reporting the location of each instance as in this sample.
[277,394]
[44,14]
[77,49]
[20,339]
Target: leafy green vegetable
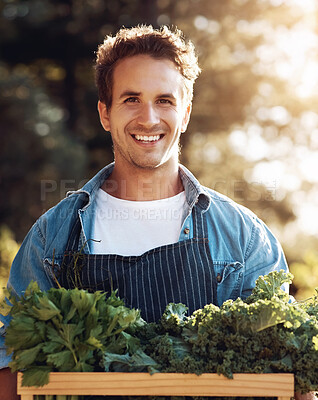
[67,330]
[73,330]
[137,362]
[264,333]
[268,286]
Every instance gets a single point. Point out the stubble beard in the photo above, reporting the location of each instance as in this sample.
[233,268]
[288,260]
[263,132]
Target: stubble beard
[140,161]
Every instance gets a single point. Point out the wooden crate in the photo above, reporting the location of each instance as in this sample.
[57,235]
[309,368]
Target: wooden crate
[162,384]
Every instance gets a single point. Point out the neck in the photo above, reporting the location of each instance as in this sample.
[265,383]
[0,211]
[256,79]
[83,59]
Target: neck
[146,185]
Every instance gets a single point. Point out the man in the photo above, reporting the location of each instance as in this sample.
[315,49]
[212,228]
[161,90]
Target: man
[144,224]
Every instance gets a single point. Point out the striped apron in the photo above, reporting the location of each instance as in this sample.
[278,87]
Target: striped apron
[181,272]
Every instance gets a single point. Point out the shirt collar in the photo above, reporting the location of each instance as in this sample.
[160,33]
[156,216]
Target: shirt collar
[194,191]
[91,187]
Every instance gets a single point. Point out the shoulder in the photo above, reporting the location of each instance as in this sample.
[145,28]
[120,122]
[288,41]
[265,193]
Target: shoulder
[223,205]
[67,209]
[214,202]
[62,211]
[241,225]
[236,224]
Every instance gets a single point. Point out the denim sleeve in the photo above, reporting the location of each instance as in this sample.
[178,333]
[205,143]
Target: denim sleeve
[27,266]
[263,255]
[4,357]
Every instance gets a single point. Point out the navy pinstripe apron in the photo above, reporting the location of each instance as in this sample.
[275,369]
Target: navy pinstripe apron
[181,272]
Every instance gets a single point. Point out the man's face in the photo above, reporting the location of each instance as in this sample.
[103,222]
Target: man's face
[148,112]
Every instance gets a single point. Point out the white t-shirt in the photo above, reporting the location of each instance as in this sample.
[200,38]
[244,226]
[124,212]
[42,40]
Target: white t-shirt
[130,228]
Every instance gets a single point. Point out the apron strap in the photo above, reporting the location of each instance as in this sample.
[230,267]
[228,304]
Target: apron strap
[200,230]
[73,239]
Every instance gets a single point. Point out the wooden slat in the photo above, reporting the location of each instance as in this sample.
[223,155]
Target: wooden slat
[161,384]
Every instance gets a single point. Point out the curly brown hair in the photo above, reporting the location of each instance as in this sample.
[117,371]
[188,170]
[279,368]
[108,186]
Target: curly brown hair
[144,39]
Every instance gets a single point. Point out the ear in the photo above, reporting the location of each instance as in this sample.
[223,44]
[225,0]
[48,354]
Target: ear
[186,118]
[103,116]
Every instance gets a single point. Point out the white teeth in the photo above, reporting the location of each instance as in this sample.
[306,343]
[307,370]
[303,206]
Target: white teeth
[147,138]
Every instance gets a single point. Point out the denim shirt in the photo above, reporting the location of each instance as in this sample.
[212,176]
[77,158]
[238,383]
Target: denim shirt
[241,245]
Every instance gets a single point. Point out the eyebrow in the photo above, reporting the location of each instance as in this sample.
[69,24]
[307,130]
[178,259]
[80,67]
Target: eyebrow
[167,96]
[128,93]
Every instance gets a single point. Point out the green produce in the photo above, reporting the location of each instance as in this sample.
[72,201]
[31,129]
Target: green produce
[266,333]
[73,330]
[67,330]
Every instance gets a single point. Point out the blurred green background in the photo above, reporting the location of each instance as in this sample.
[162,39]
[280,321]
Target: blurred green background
[253,135]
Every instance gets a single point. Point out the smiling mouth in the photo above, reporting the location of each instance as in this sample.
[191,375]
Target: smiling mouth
[147,139]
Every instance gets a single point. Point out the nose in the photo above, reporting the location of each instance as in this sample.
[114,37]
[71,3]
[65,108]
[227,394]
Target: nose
[148,115]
